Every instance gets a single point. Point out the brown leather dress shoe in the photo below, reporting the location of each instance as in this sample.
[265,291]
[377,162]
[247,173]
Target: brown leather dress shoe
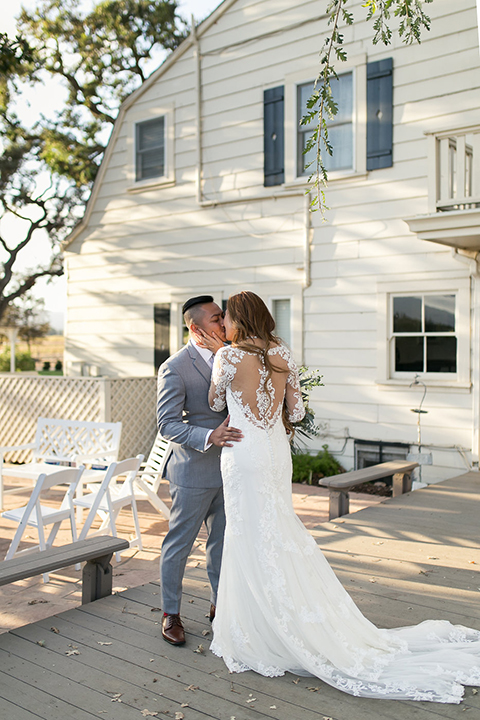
[212,613]
[172,630]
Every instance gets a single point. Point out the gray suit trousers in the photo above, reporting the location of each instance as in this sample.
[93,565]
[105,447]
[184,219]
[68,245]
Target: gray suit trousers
[190,508]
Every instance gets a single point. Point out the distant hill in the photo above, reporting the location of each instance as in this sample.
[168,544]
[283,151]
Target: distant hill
[57,321]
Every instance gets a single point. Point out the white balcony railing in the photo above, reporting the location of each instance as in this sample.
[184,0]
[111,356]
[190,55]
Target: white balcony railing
[454,170]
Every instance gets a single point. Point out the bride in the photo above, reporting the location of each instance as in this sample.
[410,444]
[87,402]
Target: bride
[280,606]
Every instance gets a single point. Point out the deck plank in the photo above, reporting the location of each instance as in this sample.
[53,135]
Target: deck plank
[412,558]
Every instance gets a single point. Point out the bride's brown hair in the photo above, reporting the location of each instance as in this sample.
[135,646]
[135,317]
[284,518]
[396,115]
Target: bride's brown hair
[251,319]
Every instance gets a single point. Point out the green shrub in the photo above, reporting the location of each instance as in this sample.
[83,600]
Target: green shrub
[46,365]
[23,361]
[311,468]
[59,365]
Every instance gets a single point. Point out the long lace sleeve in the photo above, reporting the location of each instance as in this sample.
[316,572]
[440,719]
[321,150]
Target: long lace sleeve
[293,394]
[222,375]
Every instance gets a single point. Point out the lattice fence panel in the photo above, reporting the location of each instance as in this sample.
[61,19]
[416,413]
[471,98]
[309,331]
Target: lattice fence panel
[24,399]
[133,402]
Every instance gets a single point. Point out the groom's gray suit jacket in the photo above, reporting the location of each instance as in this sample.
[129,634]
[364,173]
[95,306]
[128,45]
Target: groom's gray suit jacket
[184,417]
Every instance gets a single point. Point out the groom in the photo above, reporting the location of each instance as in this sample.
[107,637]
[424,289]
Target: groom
[193,468]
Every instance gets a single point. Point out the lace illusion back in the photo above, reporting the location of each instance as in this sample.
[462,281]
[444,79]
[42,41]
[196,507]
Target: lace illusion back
[280,606]
[261,397]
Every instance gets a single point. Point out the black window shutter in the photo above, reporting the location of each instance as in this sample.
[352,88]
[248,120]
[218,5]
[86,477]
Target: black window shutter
[380,114]
[161,318]
[273,136]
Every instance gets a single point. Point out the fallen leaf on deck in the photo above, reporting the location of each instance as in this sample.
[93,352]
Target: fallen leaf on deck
[148,713]
[273,707]
[474,692]
[36,602]
[295,682]
[116,697]
[372,580]
[200,650]
[191,601]
[205,633]
[313,689]
[41,643]
[155,609]
[192,688]
[423,572]
[472,562]
[99,642]
[55,630]
[250,700]
[432,557]
[327,718]
[179,716]
[72,652]
[184,705]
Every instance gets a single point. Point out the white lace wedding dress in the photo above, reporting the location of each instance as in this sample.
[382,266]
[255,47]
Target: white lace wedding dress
[280,606]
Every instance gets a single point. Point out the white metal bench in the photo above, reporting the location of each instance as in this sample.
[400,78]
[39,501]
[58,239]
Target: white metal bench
[339,485]
[64,442]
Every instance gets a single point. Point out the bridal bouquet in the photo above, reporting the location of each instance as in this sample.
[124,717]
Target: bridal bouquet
[307,428]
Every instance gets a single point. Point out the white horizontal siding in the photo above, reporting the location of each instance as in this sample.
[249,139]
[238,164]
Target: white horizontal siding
[149,246]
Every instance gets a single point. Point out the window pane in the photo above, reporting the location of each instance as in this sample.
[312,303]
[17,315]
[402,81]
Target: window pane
[342,91]
[150,149]
[407,314]
[340,128]
[150,134]
[151,164]
[440,313]
[442,354]
[409,354]
[281,315]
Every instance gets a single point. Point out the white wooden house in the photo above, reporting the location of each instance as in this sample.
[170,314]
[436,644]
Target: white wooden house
[202,189]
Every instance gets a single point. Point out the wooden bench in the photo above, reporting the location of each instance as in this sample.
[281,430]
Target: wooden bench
[339,485]
[97,571]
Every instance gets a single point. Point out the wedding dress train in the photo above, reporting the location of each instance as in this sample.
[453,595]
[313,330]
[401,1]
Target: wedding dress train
[280,606]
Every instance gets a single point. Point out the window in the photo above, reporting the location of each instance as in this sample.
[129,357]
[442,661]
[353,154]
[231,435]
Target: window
[161,317]
[370,452]
[150,149]
[423,333]
[340,128]
[282,315]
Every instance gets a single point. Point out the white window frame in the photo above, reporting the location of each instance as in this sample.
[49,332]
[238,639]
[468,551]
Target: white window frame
[385,342]
[358,67]
[134,119]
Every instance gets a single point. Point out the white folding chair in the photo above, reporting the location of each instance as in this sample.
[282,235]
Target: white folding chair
[110,497]
[38,515]
[150,476]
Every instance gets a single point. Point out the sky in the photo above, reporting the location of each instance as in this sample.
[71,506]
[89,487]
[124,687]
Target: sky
[54,292]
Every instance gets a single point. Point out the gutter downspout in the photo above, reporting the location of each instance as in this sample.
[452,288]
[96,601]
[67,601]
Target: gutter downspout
[198,112]
[307,262]
[471,258]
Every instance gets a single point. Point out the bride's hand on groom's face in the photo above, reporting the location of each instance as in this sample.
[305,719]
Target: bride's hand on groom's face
[212,342]
[224,435]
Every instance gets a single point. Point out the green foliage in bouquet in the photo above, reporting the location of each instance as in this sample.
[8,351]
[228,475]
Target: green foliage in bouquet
[306,428]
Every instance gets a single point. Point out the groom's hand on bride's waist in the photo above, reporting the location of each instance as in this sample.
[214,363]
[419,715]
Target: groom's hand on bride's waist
[224,435]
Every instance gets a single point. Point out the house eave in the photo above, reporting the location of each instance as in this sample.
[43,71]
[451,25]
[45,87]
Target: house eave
[457,228]
[128,102]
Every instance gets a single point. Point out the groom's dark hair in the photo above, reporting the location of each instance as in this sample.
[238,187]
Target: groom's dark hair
[192,309]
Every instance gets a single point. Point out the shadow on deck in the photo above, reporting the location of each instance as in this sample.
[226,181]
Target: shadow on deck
[413,558]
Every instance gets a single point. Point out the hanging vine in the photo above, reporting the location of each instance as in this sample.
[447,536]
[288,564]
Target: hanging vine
[321,106]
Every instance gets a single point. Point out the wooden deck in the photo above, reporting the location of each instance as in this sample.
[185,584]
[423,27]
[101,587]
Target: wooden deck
[412,558]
